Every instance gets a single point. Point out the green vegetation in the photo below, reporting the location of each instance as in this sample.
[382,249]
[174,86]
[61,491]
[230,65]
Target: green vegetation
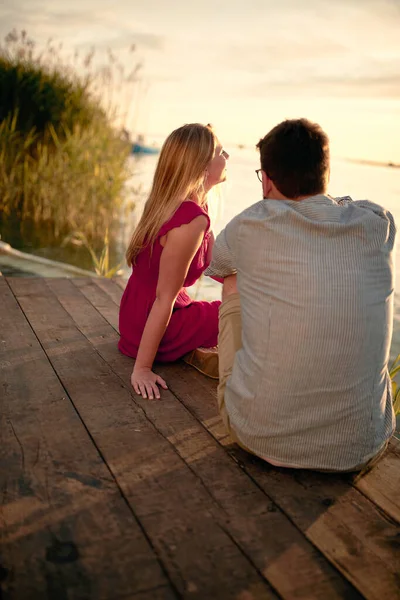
[100,263]
[394,370]
[63,162]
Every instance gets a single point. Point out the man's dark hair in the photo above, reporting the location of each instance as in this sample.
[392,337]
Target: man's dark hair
[295,155]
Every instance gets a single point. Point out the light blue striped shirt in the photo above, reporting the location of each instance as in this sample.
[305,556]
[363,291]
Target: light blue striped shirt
[310,386]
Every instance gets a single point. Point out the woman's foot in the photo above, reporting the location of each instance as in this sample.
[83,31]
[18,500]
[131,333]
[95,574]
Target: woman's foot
[205,360]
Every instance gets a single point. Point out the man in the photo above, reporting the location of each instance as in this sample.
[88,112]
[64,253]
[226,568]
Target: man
[306,318]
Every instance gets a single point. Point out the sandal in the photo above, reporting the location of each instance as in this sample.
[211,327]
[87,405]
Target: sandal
[205,360]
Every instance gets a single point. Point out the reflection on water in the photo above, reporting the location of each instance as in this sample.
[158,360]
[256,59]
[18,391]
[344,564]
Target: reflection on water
[31,238]
[379,184]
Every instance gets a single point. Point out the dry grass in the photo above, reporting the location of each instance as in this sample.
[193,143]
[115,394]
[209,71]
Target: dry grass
[63,162]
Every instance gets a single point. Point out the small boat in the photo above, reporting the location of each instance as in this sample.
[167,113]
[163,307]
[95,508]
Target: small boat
[139,147]
[142,149]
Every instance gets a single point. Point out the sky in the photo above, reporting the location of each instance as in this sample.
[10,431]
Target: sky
[243,65]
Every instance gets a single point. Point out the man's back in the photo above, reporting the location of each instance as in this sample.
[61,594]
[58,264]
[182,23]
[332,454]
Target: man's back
[310,386]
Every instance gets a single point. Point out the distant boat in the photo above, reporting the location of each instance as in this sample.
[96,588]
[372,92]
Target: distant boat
[139,147]
[144,149]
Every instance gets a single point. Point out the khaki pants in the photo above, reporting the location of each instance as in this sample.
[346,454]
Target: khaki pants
[229,342]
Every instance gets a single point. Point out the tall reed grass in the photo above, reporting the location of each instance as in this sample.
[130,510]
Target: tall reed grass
[63,160]
[394,373]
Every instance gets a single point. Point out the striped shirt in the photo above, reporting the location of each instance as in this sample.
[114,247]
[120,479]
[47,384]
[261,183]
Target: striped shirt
[310,386]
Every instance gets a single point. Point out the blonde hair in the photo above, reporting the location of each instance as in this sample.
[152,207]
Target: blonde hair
[180,173]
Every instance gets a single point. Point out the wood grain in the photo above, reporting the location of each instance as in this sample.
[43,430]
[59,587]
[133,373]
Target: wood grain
[170,502]
[247,514]
[65,528]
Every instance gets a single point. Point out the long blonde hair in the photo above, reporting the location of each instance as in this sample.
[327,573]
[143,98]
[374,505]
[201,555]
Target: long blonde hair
[180,174]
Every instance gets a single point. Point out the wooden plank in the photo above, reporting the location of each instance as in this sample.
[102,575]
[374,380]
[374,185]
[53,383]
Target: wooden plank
[111,288]
[107,303]
[347,527]
[65,529]
[101,298]
[387,500]
[248,515]
[159,593]
[382,483]
[170,501]
[121,283]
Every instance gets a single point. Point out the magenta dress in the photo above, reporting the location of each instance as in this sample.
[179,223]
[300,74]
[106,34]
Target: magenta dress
[192,324]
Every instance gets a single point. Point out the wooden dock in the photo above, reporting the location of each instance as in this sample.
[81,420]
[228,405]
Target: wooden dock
[109,496]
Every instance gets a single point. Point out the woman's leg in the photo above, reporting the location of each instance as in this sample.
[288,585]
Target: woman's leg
[189,328]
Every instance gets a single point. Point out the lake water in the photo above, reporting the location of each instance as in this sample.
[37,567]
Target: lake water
[378,184]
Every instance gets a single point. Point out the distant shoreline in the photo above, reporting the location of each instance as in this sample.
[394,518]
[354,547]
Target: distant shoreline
[357,161]
[373,163]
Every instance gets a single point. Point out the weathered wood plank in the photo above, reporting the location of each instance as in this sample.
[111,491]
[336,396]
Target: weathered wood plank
[348,528]
[159,593]
[101,298]
[121,283]
[170,501]
[110,287]
[248,515]
[382,483]
[324,535]
[65,529]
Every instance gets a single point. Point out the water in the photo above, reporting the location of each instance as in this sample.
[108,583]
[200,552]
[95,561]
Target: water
[378,184]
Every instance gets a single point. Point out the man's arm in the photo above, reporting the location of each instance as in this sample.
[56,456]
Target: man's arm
[224,257]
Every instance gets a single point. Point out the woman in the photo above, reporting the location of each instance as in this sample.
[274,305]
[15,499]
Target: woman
[169,250]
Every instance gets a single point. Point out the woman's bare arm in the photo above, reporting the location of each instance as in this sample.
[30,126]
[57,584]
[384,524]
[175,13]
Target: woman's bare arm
[180,247]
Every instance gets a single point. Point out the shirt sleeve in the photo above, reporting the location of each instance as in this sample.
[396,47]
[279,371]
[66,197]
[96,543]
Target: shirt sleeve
[223,262]
[386,216]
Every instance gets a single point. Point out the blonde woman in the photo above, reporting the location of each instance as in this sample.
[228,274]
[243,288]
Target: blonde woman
[169,250]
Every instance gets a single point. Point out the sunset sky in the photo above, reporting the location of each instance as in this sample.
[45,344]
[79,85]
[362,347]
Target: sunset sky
[245,65]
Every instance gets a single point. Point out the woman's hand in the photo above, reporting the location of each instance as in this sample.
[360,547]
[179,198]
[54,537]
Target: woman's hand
[144,382]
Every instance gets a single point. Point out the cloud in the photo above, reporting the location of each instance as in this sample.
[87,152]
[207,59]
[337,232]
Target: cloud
[271,54]
[151,41]
[206,49]
[94,24]
[363,86]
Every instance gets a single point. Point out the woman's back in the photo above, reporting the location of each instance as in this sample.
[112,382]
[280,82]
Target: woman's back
[148,260]
[140,293]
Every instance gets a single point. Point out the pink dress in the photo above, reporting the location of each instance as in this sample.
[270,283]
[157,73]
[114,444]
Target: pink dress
[192,323]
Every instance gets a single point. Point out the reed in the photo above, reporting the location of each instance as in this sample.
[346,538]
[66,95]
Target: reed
[100,262]
[63,159]
[393,372]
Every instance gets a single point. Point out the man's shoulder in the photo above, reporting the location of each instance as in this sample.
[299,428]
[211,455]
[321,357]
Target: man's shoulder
[371,206]
[376,219]
[363,204]
[258,209]
[378,212]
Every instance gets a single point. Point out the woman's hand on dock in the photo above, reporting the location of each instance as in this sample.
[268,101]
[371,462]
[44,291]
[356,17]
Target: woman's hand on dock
[145,382]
